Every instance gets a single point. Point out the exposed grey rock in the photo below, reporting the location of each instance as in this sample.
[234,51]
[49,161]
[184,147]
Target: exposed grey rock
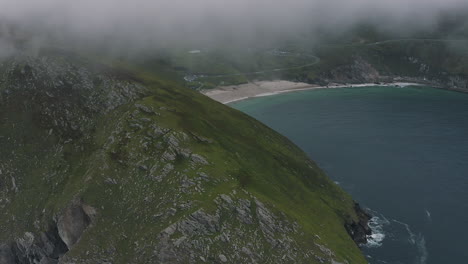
[243,210]
[202,139]
[72,223]
[13,184]
[226,198]
[145,109]
[360,71]
[196,233]
[31,249]
[167,169]
[336,262]
[458,82]
[136,126]
[359,230]
[199,222]
[248,252]
[324,249]
[266,220]
[198,159]
[143,167]
[6,256]
[222,258]
[173,141]
[110,181]
[204,176]
[169,155]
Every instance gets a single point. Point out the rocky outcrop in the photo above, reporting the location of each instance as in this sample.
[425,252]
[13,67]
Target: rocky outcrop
[60,95]
[230,225]
[47,247]
[359,71]
[359,230]
[459,83]
[74,221]
[6,256]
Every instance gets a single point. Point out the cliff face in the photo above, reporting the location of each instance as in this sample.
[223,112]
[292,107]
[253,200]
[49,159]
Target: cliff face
[362,71]
[359,230]
[435,63]
[358,71]
[99,165]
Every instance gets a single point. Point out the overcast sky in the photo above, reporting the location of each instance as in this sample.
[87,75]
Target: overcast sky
[165,21]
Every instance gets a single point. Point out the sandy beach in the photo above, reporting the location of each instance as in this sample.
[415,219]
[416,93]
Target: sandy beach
[233,93]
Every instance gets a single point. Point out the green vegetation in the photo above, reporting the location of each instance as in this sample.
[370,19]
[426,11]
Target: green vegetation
[434,59]
[146,154]
[440,55]
[211,68]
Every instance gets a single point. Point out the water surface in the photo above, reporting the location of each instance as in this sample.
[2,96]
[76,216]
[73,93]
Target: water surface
[402,152]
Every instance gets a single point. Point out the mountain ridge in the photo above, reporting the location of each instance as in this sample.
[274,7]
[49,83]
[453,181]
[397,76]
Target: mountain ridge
[111,166]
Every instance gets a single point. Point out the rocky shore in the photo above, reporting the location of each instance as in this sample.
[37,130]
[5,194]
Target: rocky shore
[360,230]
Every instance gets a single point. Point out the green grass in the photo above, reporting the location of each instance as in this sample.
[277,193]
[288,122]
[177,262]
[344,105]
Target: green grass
[243,155]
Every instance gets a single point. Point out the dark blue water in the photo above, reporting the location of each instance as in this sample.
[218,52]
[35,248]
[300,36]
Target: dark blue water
[402,152]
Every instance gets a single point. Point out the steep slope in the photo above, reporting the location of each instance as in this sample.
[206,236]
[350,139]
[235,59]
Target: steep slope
[99,165]
[435,62]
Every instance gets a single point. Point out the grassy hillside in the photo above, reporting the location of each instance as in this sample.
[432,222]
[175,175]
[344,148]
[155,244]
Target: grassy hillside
[112,165]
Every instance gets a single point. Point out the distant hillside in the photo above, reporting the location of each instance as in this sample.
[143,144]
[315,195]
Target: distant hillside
[437,56]
[436,62]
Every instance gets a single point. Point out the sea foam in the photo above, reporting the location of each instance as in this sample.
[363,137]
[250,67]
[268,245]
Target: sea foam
[377,237]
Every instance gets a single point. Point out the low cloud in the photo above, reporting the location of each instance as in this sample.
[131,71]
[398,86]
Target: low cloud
[156,23]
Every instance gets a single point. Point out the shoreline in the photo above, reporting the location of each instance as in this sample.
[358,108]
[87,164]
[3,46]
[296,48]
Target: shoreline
[236,93]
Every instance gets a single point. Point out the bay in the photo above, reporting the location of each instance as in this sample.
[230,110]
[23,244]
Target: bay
[401,152]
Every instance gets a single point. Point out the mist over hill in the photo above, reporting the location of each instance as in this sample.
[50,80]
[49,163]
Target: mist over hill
[143,25]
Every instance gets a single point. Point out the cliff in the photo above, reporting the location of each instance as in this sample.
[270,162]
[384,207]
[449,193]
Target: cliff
[437,63]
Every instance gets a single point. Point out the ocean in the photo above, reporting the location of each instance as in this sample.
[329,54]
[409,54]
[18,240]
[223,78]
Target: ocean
[400,152]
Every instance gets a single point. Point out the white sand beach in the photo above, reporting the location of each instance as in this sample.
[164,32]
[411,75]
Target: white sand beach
[233,93]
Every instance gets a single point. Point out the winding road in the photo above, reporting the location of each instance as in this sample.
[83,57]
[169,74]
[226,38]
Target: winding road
[315,58]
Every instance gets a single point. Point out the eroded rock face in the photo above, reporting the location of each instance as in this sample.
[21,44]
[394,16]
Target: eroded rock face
[47,247]
[6,256]
[360,71]
[458,82]
[73,223]
[230,225]
[359,231]
[61,95]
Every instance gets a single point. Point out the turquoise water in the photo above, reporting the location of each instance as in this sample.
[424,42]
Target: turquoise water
[401,152]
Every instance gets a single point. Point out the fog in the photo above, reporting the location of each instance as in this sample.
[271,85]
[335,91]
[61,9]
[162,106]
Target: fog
[143,24]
